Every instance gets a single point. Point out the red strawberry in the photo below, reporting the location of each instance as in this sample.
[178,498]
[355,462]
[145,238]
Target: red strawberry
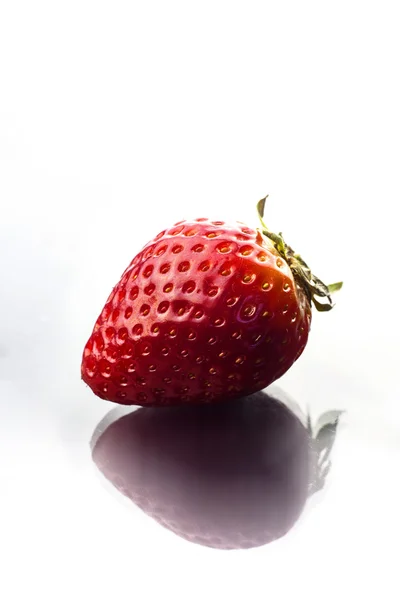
[206,311]
[232,475]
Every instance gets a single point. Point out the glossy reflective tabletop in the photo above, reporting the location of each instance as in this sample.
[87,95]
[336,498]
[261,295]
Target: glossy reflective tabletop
[116,121]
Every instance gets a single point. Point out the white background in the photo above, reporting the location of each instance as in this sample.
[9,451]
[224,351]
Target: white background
[118,119]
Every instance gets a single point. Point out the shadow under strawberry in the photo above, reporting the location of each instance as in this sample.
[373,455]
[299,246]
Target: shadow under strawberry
[227,476]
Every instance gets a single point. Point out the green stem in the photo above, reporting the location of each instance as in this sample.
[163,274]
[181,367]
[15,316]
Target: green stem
[301,271]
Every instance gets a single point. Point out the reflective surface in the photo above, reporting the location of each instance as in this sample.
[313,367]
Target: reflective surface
[231,476]
[116,121]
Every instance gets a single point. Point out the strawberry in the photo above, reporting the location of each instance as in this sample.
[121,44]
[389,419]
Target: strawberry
[229,475]
[206,311]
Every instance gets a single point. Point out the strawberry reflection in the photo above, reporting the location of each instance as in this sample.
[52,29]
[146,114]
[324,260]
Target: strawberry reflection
[235,475]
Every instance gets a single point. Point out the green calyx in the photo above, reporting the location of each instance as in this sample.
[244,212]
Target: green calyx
[313,287]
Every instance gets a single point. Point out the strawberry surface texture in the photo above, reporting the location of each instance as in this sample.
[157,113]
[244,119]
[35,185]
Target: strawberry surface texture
[207,311]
